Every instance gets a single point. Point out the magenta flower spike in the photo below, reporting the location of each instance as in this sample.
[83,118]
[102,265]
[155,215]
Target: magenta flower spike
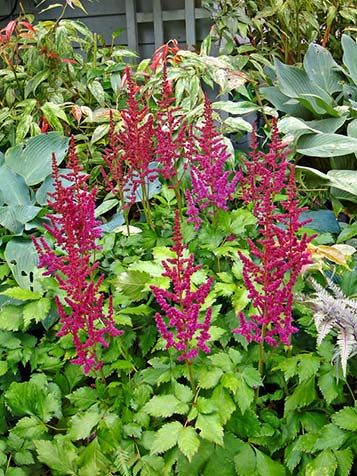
[211,187]
[183,330]
[75,231]
[278,255]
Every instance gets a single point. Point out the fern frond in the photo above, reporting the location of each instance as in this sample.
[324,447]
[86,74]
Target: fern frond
[334,312]
[121,462]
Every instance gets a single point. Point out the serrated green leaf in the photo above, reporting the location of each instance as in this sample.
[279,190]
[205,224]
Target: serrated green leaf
[324,465]
[303,395]
[183,392]
[268,467]
[308,366]
[244,395]
[231,382]
[251,377]
[59,454]
[166,437]
[331,437]
[211,428]
[133,284]
[289,367]
[81,424]
[11,318]
[36,311]
[36,398]
[306,443]
[165,406]
[346,418]
[292,457]
[221,360]
[3,368]
[208,377]
[345,461]
[23,457]
[21,294]
[188,442]
[224,403]
[30,428]
[245,461]
[328,385]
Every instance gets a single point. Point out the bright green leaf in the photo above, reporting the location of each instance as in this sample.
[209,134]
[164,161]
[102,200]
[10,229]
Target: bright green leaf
[188,442]
[166,437]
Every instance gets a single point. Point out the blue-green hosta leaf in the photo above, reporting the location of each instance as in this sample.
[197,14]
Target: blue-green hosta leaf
[346,418]
[350,56]
[322,68]
[285,103]
[295,83]
[33,159]
[326,145]
[166,437]
[22,258]
[13,189]
[14,217]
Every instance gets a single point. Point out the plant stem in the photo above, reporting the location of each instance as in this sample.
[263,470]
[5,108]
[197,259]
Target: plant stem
[190,376]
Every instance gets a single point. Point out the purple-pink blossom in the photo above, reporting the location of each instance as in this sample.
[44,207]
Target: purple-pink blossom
[278,255]
[184,330]
[71,261]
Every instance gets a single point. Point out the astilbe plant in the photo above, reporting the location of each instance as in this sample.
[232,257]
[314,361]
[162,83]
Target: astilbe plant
[211,186]
[184,330]
[130,154]
[278,255]
[75,231]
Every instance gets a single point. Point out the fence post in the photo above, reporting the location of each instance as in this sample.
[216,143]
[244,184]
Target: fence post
[131,24]
[190,23]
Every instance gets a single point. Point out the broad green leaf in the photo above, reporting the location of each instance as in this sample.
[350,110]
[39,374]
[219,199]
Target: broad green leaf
[211,428]
[234,124]
[245,461]
[224,403]
[306,443]
[21,294]
[33,160]
[105,206]
[36,398]
[346,418]
[23,457]
[13,189]
[326,145]
[188,442]
[97,91]
[251,376]
[344,179]
[81,424]
[322,68]
[36,311]
[198,463]
[324,465]
[33,83]
[165,406]
[99,132]
[92,460]
[59,454]
[3,368]
[308,366]
[352,129]
[350,56]
[221,360]
[240,107]
[166,437]
[313,421]
[268,467]
[23,127]
[285,103]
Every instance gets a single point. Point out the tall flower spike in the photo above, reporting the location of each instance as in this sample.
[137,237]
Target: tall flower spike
[278,255]
[181,306]
[75,231]
[211,187]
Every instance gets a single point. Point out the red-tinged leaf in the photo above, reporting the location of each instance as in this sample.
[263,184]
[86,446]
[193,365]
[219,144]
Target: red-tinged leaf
[77,113]
[27,25]
[9,29]
[68,60]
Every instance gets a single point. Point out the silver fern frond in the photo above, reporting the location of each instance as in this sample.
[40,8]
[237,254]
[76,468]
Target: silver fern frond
[335,312]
